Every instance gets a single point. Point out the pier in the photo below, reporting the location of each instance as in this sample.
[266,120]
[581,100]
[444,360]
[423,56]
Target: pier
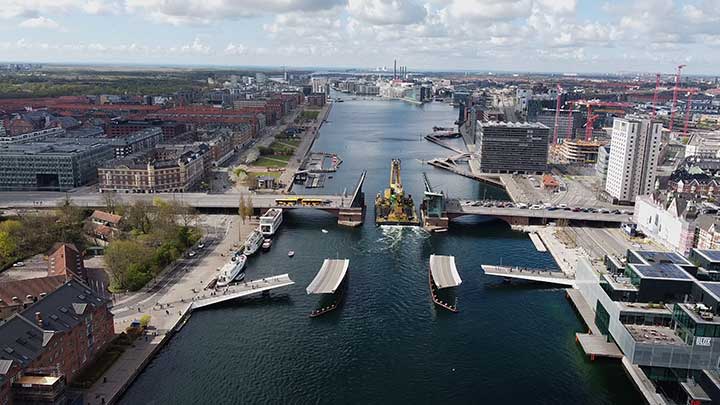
[436,140]
[443,274]
[537,241]
[521,273]
[243,290]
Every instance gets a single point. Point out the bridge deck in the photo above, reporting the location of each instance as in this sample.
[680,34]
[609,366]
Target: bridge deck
[543,276]
[41,199]
[245,289]
[459,210]
[444,272]
[329,277]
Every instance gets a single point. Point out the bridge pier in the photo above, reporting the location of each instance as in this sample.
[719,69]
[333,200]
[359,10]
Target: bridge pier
[352,217]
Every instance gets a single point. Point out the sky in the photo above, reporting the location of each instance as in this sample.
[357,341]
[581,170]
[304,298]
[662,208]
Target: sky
[474,35]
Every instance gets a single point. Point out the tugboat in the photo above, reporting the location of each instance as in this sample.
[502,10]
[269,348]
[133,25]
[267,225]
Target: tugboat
[393,207]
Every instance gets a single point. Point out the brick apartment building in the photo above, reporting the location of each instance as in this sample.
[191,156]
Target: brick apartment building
[124,128]
[154,172]
[66,260]
[54,337]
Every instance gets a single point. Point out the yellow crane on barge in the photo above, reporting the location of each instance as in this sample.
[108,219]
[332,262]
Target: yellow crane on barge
[392,207]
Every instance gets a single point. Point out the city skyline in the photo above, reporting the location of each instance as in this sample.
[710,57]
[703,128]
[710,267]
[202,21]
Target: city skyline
[474,35]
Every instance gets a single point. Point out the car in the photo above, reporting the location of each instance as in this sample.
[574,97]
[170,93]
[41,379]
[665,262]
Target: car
[551,208]
[191,253]
[536,207]
[200,246]
[576,209]
[616,212]
[18,264]
[562,206]
[476,204]
[522,205]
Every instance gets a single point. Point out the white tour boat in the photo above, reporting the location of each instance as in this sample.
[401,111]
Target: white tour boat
[253,242]
[231,270]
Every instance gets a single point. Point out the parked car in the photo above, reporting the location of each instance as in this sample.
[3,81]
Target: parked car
[536,207]
[18,264]
[191,253]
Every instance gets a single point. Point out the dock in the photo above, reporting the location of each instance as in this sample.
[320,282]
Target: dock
[443,274]
[452,167]
[243,290]
[522,273]
[537,241]
[436,140]
[598,346]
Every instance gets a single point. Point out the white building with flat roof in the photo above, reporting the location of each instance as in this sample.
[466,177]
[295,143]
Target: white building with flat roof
[634,151]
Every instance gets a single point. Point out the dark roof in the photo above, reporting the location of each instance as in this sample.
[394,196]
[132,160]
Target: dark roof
[22,339]
[32,286]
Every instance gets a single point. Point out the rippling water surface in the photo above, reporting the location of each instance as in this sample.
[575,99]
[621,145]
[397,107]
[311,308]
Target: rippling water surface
[387,343]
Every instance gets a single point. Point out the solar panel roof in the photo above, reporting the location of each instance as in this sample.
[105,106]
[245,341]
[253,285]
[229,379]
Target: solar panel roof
[661,257]
[661,270]
[713,287]
[712,255]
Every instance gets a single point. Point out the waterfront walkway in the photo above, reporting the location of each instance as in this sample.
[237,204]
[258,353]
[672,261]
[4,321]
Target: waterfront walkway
[303,148]
[521,273]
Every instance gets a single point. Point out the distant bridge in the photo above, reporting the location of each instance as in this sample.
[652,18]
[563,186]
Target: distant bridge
[525,216]
[350,209]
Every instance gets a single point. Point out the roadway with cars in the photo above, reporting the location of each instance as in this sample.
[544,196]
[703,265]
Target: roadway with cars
[549,211]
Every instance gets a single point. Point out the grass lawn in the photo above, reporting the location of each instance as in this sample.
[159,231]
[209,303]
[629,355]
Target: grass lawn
[275,161]
[310,114]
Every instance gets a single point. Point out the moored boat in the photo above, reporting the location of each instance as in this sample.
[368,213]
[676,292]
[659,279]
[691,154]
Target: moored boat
[253,242]
[231,270]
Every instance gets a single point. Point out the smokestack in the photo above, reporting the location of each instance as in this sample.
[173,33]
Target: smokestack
[38,319]
[395,69]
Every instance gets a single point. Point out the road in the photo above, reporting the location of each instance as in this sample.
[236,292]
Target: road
[45,199]
[454,209]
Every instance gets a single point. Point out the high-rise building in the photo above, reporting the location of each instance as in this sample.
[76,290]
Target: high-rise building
[512,147]
[634,151]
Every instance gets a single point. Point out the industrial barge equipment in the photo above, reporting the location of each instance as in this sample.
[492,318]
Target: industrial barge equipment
[393,207]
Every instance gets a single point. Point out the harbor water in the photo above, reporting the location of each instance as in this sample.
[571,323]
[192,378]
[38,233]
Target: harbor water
[387,343]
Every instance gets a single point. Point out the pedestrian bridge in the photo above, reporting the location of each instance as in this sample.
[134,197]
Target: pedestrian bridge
[243,290]
[522,273]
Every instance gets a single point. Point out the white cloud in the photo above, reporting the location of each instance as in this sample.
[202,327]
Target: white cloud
[40,22]
[233,49]
[205,11]
[385,12]
[490,9]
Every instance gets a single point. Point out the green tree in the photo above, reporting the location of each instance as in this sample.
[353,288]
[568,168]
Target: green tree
[124,260]
[10,239]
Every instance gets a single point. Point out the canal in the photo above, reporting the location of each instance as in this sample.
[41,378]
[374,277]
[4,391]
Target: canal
[387,343]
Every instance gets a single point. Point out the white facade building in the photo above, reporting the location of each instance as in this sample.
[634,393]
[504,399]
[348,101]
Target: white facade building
[671,223]
[634,151]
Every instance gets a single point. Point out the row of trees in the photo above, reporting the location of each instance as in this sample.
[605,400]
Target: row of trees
[154,235]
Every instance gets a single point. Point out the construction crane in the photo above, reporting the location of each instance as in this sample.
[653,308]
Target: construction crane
[557,113]
[675,92]
[690,93]
[655,95]
[589,104]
